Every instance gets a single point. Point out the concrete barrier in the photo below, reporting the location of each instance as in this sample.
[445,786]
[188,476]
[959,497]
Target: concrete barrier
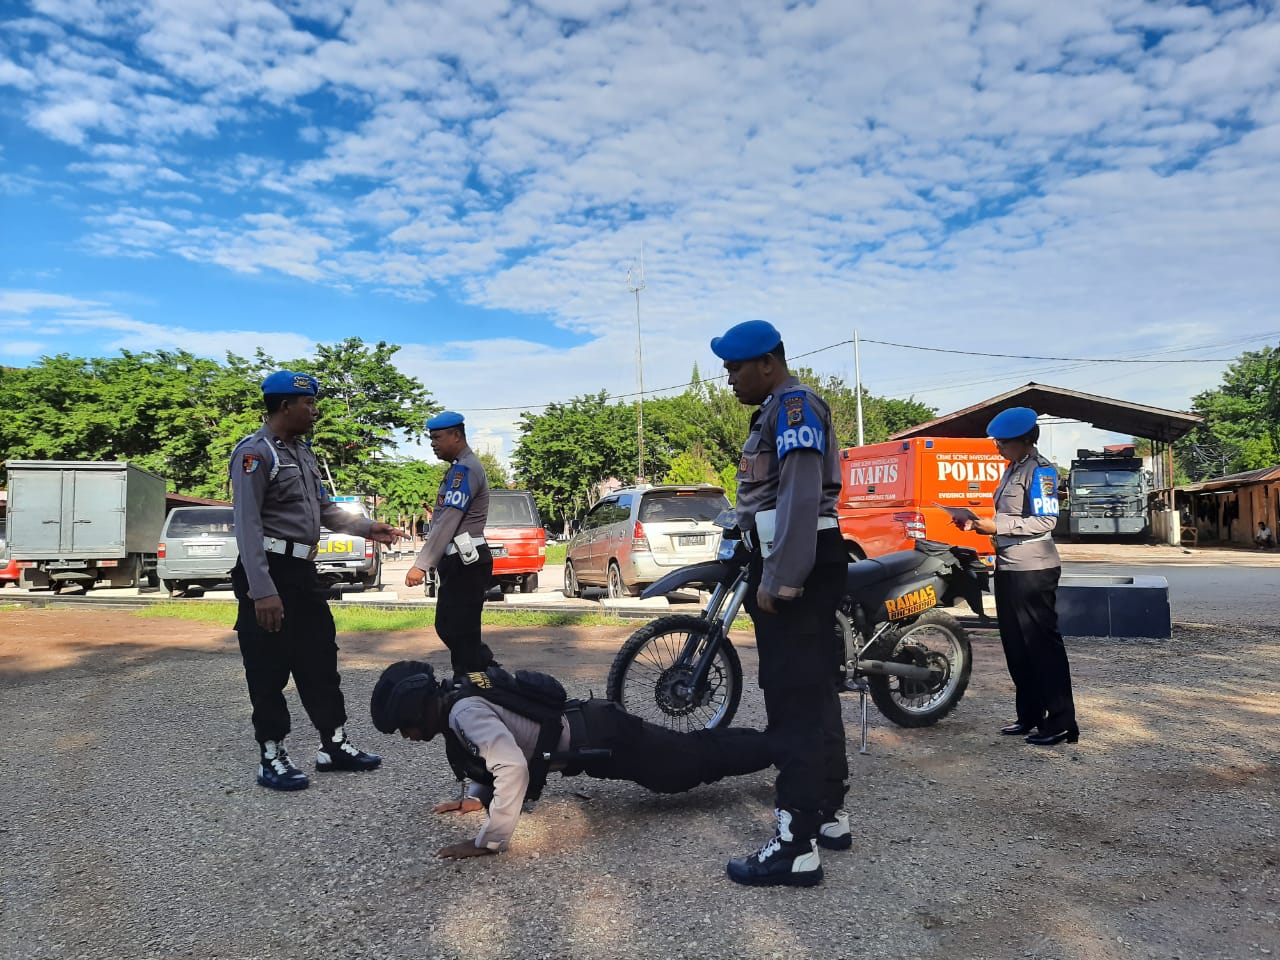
[1104,606]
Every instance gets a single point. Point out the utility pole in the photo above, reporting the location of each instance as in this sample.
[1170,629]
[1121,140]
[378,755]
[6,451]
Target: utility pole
[857,377]
[635,283]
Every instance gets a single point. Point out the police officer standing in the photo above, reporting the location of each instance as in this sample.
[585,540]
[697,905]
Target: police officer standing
[455,546]
[284,623]
[788,479]
[1026,582]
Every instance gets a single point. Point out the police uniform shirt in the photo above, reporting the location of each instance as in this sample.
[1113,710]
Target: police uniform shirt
[462,506]
[1026,504]
[789,463]
[291,505]
[505,741]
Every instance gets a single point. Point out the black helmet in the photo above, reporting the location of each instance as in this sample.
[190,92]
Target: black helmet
[399,695]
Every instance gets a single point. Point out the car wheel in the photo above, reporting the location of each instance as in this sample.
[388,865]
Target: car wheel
[571,586]
[617,588]
[529,583]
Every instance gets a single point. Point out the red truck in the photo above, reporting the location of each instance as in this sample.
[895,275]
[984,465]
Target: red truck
[892,493]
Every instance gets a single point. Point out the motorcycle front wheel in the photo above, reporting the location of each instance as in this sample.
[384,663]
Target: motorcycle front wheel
[649,680]
[934,640]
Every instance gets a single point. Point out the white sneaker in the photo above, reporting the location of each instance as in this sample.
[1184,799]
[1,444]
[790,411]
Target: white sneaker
[834,833]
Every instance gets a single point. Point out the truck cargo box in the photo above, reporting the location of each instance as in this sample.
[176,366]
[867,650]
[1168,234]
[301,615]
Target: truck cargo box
[890,492]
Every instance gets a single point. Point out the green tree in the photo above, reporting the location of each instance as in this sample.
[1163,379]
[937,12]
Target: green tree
[367,407]
[691,466]
[1242,419]
[569,448]
[407,487]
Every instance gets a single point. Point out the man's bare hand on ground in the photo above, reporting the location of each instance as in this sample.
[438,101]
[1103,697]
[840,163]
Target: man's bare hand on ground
[462,851]
[469,805]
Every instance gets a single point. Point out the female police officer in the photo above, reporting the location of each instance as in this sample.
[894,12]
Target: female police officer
[1026,582]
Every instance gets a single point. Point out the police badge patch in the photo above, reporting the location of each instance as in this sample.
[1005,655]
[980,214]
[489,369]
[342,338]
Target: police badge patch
[1044,492]
[250,462]
[799,426]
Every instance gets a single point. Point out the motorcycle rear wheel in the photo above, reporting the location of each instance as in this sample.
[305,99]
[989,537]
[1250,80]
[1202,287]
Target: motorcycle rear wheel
[647,681]
[934,639]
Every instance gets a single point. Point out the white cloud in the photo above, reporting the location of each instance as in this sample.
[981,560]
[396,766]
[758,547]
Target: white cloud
[1018,176]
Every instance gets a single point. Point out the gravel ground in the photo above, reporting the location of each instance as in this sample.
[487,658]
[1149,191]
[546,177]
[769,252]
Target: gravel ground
[134,828]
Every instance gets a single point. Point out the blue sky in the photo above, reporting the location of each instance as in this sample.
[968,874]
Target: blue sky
[473,180]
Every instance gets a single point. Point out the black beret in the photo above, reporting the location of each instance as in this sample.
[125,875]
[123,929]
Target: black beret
[381,706]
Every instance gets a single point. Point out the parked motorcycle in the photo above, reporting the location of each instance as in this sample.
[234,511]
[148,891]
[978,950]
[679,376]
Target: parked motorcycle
[889,638]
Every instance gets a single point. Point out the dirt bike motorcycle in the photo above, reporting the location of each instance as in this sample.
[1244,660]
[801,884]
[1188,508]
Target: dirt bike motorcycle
[889,639]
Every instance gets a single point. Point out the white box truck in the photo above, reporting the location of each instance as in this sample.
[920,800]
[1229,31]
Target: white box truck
[75,524]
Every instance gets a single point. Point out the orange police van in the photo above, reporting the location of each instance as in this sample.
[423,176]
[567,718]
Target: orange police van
[893,493]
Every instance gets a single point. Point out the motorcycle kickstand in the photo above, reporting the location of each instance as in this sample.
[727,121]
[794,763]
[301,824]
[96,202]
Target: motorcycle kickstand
[860,685]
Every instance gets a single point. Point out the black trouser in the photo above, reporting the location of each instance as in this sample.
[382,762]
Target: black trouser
[666,761]
[798,674]
[305,646]
[459,601]
[1026,608]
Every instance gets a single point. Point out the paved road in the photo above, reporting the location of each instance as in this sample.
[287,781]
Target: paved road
[1236,586]
[1235,594]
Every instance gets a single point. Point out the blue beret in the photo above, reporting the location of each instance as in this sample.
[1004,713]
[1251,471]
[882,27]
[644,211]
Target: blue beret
[290,384]
[746,341]
[442,421]
[1012,423]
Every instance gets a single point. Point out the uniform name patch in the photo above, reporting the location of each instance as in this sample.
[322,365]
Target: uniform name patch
[457,489]
[799,427]
[1044,492]
[250,462]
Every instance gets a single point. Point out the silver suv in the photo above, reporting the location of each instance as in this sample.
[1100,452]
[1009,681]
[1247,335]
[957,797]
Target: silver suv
[197,548]
[638,534]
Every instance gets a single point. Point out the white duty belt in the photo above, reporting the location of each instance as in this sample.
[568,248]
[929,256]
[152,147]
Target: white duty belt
[1007,541]
[761,538]
[453,547]
[289,548]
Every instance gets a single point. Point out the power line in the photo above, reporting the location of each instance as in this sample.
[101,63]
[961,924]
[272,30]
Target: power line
[1073,363]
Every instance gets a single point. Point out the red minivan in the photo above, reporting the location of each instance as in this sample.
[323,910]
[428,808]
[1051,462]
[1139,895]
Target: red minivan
[516,540]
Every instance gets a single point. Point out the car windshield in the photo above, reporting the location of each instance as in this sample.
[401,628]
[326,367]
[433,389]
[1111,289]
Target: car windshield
[1104,478]
[686,505]
[192,523]
[352,506]
[511,511]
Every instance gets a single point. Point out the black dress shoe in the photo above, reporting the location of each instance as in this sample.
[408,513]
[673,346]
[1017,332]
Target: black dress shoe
[1049,739]
[1018,729]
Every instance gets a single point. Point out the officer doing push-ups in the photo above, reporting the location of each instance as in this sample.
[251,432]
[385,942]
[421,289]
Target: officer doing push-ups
[507,733]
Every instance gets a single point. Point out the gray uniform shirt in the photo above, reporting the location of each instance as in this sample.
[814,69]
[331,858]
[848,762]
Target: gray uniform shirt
[277,492]
[462,506]
[505,741]
[1023,541]
[783,467]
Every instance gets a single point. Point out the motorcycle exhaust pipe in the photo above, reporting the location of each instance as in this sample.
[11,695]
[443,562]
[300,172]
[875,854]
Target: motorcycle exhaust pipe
[908,671]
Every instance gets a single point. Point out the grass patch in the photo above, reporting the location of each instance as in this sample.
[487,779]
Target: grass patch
[362,619]
[556,552]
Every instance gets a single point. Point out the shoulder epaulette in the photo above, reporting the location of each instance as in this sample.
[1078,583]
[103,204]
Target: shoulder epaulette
[275,457]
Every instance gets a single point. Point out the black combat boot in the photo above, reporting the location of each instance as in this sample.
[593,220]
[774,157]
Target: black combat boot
[785,860]
[276,770]
[338,753]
